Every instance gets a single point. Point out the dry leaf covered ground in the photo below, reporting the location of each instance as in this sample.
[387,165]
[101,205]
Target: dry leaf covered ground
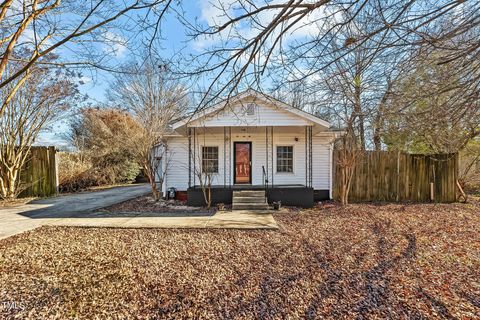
[146,204]
[367,261]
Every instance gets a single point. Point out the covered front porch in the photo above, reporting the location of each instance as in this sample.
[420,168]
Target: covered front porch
[255,157]
[291,195]
[277,159]
[252,142]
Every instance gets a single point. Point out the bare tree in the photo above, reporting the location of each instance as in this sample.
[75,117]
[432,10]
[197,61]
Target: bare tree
[41,99]
[469,168]
[43,27]
[430,111]
[348,155]
[161,161]
[155,99]
[205,173]
[249,39]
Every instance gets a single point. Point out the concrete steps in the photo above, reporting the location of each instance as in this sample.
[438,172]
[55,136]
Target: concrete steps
[249,200]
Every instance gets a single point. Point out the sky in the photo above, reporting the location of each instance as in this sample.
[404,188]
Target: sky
[93,84]
[175,40]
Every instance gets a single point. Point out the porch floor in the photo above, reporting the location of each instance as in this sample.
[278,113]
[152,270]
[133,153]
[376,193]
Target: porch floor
[252,186]
[288,194]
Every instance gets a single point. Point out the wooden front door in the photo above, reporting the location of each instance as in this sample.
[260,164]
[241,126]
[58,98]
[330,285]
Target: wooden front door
[243,162]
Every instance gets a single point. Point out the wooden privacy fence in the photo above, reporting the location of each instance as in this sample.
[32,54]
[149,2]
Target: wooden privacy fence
[39,174]
[395,176]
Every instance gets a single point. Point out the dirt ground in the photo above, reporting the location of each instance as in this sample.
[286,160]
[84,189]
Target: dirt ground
[362,261]
[148,204]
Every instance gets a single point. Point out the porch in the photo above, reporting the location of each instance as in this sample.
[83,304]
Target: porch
[252,157]
[251,142]
[289,194]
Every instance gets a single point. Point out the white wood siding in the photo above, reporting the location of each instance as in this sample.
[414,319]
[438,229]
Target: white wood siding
[177,159]
[321,163]
[177,175]
[265,115]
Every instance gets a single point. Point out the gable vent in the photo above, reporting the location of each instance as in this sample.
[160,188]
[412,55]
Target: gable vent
[250,109]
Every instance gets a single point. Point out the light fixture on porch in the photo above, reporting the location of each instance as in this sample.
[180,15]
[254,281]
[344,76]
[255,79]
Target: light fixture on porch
[296,139]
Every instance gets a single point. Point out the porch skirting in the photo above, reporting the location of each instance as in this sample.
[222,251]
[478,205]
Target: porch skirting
[299,196]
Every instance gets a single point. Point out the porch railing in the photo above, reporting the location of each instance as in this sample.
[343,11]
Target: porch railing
[264,177]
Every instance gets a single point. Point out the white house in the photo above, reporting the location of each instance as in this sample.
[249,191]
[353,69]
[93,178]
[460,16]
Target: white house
[250,142]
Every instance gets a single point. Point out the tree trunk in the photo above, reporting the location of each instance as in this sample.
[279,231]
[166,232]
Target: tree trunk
[9,183]
[377,139]
[357,110]
[378,122]
[151,180]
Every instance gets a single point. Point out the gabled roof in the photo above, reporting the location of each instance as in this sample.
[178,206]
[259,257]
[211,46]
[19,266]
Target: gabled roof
[257,95]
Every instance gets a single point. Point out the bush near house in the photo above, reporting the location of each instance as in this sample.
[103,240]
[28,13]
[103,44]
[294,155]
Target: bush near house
[77,172]
[106,140]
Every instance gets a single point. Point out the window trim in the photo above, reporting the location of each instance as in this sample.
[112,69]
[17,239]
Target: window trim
[218,157]
[276,158]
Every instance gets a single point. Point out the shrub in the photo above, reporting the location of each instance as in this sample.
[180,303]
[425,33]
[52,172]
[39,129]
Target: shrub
[75,172]
[78,172]
[107,140]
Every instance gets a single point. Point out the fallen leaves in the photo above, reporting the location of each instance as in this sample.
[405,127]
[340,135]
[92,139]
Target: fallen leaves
[146,204]
[365,260]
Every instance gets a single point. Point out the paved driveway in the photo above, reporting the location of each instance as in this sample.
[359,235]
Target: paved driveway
[48,211]
[79,210]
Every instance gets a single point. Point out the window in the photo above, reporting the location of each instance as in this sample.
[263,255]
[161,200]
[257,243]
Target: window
[210,159]
[284,158]
[250,111]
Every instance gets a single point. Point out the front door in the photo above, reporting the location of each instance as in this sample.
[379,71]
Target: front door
[243,162]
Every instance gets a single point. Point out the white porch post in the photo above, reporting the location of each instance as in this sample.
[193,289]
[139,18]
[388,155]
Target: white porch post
[330,151]
[164,167]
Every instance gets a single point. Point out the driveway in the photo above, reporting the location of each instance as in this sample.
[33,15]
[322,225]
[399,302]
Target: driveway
[47,211]
[80,210]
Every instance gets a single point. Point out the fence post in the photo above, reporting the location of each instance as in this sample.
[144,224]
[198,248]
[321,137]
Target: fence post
[398,176]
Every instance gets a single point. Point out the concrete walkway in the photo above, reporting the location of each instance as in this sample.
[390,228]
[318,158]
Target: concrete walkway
[78,210]
[238,219]
[45,211]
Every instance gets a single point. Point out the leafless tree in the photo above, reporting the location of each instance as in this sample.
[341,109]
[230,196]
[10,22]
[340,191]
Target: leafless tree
[249,36]
[469,168]
[44,27]
[160,160]
[42,98]
[155,99]
[206,173]
[430,110]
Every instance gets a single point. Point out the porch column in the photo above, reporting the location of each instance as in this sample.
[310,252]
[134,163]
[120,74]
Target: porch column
[271,154]
[230,153]
[267,180]
[311,156]
[189,132]
[194,154]
[308,156]
[224,157]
